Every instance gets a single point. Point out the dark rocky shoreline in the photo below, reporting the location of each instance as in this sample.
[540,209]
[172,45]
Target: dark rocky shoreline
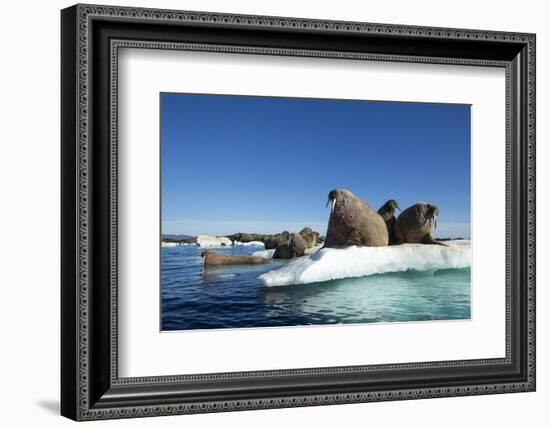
[270,240]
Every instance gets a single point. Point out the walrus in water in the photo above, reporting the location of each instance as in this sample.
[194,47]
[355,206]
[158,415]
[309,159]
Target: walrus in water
[215,259]
[387,211]
[353,223]
[414,224]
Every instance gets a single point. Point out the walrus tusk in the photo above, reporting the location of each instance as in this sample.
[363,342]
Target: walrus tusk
[333,203]
[435,222]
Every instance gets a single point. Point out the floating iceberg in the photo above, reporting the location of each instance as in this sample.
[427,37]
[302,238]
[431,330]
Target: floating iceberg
[350,262]
[249,243]
[168,244]
[207,241]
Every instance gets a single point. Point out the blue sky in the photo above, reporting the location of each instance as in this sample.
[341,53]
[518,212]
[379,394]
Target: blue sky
[264,164]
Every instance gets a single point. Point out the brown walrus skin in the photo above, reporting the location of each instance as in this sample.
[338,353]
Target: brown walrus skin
[414,224]
[295,246]
[353,223]
[310,236]
[215,259]
[274,241]
[387,211]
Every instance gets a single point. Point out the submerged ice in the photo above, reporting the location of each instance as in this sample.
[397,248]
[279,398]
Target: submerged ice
[350,262]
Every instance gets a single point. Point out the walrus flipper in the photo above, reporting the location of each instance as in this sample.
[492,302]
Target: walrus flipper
[354,238]
[428,239]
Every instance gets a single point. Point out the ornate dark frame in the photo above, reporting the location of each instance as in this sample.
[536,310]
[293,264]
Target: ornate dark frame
[91,37]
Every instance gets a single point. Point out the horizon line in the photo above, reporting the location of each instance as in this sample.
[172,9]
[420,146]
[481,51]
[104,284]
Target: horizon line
[444,229]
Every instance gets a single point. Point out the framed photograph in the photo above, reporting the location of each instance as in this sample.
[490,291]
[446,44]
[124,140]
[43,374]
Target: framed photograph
[263,212]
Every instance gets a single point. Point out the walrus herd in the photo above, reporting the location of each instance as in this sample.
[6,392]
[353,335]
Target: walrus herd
[352,222]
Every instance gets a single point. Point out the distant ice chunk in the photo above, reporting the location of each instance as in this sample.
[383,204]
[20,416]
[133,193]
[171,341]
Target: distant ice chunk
[208,241]
[168,244]
[249,243]
[264,254]
[337,263]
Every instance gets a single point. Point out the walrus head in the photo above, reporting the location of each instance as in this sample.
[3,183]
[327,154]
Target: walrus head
[335,196]
[432,214]
[294,246]
[392,205]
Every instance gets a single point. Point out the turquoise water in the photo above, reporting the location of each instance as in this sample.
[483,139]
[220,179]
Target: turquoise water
[233,297]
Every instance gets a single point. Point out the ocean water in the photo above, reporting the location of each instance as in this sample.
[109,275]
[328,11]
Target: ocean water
[234,297]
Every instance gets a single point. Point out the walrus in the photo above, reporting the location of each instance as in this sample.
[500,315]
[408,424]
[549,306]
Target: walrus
[295,246]
[387,211]
[215,259]
[353,223]
[275,240]
[310,236]
[414,224]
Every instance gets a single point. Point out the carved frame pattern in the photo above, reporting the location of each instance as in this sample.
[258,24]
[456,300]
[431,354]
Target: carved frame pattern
[85,13]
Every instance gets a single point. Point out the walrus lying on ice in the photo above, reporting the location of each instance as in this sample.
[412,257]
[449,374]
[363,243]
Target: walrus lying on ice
[353,223]
[215,259]
[310,236]
[414,225]
[387,211]
[294,246]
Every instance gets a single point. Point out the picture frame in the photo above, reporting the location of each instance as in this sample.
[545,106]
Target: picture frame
[90,384]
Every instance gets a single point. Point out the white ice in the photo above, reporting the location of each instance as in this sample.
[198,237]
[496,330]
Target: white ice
[337,263]
[168,244]
[208,241]
[250,243]
[264,254]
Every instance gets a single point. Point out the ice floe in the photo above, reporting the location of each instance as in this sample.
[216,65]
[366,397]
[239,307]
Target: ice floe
[337,263]
[208,241]
[168,244]
[264,254]
[249,243]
